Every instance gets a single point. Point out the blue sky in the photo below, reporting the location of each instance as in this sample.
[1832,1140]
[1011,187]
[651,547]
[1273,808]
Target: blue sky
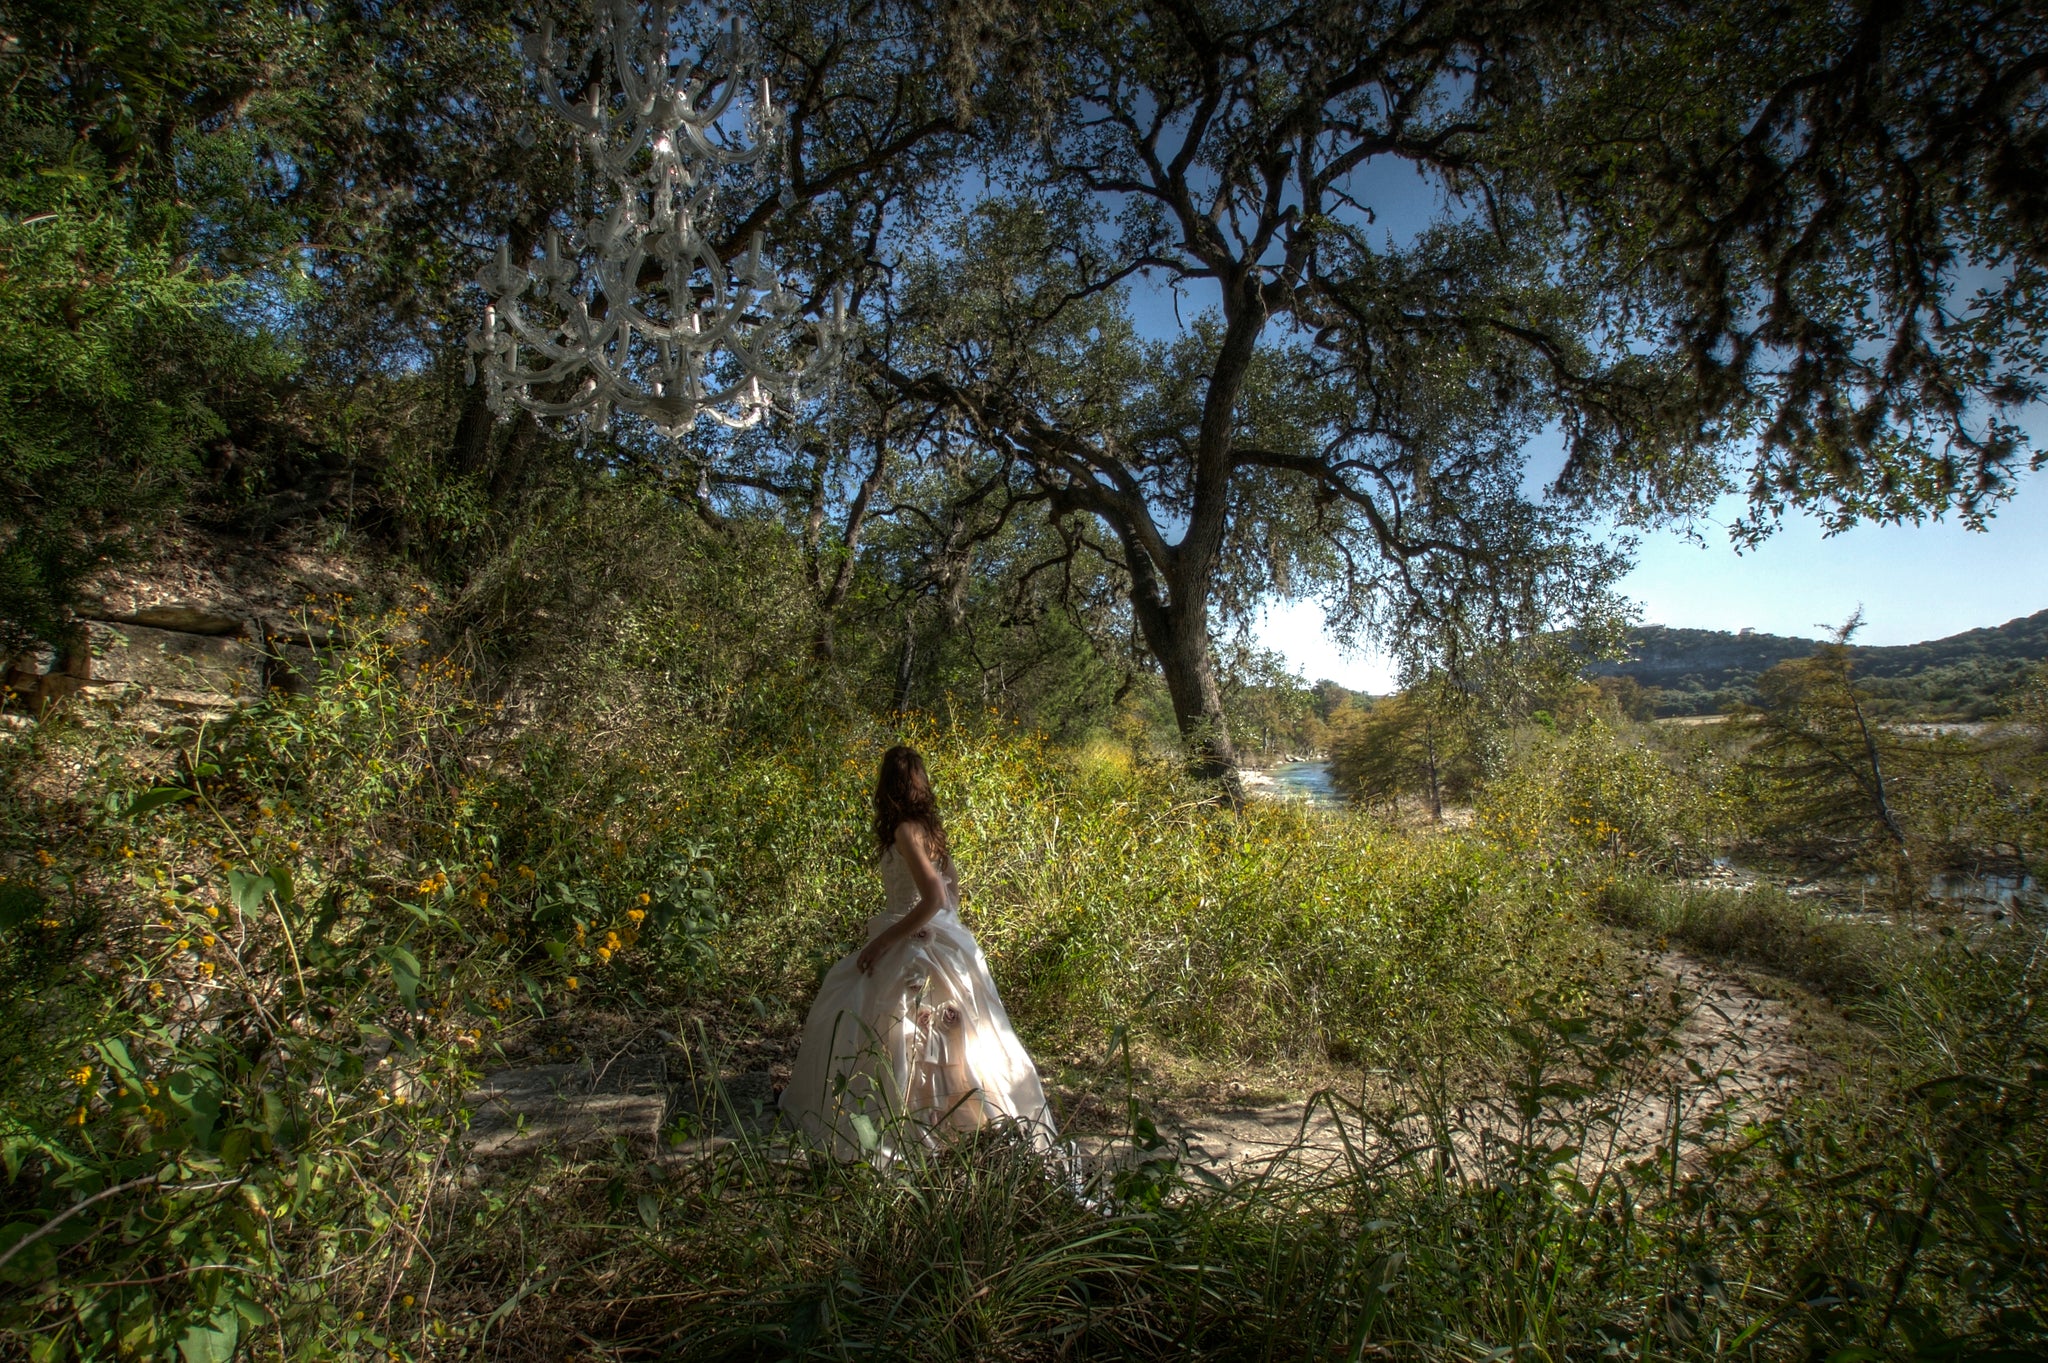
[1913,582]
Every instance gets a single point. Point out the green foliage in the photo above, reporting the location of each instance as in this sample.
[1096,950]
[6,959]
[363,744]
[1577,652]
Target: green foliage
[116,348]
[1590,803]
[1823,769]
[1272,711]
[396,883]
[1448,1226]
[266,982]
[87,431]
[1411,743]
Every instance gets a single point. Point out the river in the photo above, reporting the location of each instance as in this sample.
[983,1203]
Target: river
[1306,781]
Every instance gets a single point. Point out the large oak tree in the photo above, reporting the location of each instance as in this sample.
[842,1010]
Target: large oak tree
[1697,241]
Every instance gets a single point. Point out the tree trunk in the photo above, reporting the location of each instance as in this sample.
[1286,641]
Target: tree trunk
[908,656]
[1436,789]
[1179,638]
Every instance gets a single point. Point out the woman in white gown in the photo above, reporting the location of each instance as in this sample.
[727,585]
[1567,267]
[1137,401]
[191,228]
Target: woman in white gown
[907,1042]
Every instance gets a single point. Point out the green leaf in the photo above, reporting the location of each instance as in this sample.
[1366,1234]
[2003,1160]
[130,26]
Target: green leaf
[650,1211]
[864,1130]
[156,799]
[273,1114]
[234,1148]
[280,878]
[198,1092]
[211,1340]
[115,1052]
[249,890]
[136,1331]
[33,1264]
[19,904]
[405,973]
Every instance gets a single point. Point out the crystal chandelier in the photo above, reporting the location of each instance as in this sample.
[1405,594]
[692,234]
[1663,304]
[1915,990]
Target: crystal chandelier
[632,310]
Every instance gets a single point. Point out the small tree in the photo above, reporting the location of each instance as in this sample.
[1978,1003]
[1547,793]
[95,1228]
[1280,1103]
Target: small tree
[1821,770]
[1414,743]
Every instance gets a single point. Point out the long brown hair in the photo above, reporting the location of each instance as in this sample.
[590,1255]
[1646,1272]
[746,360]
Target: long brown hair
[903,794]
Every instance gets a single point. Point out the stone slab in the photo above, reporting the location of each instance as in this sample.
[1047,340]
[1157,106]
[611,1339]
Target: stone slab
[540,1107]
[216,666]
[182,618]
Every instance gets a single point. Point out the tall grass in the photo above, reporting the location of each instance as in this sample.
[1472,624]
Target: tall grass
[1763,926]
[254,969]
[1903,1227]
[1109,895]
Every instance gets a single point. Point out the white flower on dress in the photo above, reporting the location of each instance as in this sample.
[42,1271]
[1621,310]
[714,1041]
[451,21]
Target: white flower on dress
[951,1016]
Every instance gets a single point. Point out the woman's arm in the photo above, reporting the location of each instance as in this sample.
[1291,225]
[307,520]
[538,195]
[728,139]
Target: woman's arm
[931,895]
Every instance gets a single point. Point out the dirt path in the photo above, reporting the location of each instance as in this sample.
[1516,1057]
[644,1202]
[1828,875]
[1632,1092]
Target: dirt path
[1743,1042]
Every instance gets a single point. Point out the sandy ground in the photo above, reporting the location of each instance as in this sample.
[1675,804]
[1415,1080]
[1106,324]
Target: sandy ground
[1743,1043]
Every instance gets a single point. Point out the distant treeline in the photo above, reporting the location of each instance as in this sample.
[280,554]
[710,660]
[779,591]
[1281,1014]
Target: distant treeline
[1962,677]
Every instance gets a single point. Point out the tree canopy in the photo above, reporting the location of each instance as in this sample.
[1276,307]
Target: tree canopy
[1696,245]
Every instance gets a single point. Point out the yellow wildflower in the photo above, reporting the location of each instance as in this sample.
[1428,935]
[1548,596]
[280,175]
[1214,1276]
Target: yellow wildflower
[572,982]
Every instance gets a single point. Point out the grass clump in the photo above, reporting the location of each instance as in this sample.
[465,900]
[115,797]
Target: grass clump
[1765,927]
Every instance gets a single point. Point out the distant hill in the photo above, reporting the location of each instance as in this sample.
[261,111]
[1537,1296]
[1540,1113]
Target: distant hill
[1964,676]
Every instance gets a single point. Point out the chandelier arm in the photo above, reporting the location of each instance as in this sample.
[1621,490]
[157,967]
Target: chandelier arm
[543,56]
[535,337]
[726,83]
[726,156]
[640,94]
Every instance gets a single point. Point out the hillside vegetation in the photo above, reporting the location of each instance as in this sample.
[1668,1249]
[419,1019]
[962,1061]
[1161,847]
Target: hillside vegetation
[260,965]
[1973,675]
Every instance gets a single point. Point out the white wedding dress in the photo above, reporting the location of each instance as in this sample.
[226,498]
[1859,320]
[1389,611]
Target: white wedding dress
[916,1051]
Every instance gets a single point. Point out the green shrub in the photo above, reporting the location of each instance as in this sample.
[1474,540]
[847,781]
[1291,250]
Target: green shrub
[1587,803]
[281,963]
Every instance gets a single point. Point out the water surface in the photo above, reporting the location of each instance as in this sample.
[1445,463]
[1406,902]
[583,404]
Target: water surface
[1308,781]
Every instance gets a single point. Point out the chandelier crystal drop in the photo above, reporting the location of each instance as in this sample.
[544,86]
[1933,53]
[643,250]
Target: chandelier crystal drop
[631,309]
